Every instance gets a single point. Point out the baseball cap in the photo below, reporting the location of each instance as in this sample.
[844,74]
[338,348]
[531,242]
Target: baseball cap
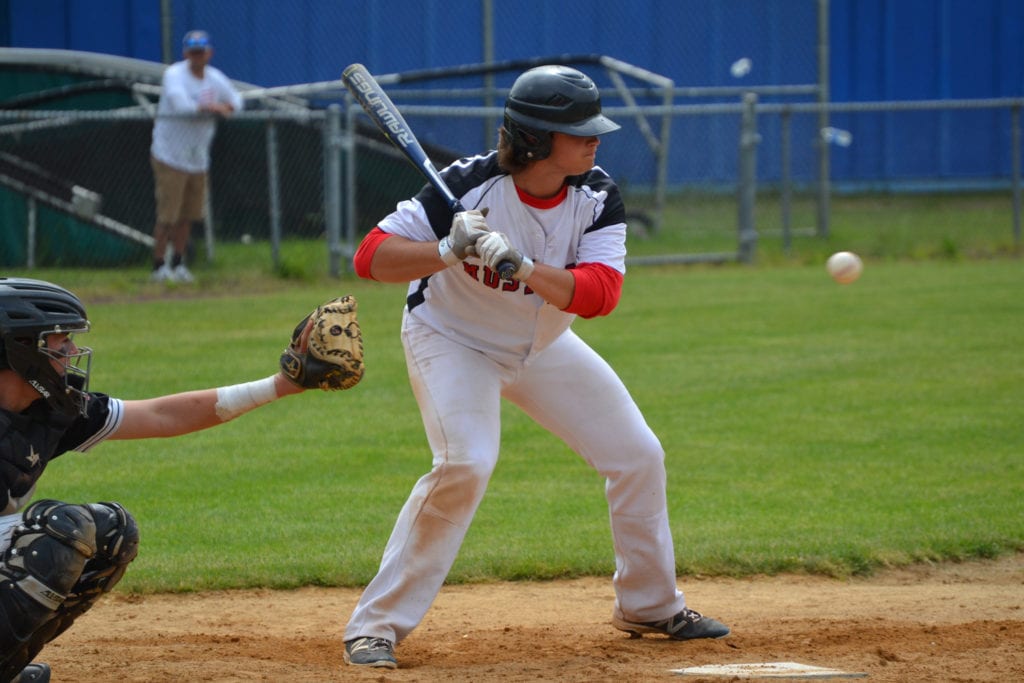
[196,40]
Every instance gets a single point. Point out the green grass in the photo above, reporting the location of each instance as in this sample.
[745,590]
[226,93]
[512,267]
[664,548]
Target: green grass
[879,227]
[808,426]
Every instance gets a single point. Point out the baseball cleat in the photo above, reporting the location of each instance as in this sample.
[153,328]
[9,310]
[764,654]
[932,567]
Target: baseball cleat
[376,652]
[33,673]
[686,625]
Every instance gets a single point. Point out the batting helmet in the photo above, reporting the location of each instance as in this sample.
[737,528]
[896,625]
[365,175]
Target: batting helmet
[549,99]
[30,310]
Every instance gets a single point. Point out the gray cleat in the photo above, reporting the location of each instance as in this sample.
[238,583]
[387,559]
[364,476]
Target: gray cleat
[377,652]
[685,625]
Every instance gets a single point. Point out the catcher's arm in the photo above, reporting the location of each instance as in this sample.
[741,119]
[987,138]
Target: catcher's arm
[191,411]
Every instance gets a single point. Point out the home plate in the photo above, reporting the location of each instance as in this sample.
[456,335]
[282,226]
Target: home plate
[766,670]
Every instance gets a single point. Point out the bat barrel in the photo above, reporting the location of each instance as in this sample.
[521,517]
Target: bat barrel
[385,115]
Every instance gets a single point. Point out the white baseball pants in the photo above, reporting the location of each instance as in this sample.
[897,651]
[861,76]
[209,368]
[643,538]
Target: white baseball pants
[571,391]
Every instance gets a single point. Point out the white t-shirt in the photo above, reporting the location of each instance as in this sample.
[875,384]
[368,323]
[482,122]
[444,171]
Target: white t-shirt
[184,142]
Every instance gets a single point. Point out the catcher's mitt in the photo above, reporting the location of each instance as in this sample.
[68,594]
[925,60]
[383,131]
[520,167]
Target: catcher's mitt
[334,355]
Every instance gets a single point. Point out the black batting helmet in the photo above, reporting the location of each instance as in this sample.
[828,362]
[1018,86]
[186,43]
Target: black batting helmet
[29,311]
[549,99]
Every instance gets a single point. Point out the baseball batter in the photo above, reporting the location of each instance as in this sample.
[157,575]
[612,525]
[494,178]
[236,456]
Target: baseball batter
[471,339]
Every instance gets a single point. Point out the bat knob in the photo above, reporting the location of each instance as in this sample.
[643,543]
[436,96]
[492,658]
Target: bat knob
[506,269]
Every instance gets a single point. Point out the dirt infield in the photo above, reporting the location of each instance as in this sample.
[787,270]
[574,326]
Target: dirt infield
[952,622]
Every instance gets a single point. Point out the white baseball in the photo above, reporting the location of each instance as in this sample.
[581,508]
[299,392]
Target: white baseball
[844,267]
[741,67]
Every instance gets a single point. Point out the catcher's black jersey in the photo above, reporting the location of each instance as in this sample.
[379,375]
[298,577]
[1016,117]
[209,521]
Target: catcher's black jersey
[31,439]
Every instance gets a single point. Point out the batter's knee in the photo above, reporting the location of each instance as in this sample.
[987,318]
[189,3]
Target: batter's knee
[455,489]
[469,476]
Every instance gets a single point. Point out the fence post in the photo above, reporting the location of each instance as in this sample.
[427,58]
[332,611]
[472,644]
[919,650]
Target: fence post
[824,171]
[749,139]
[332,188]
[208,235]
[662,160]
[349,145]
[1015,155]
[785,121]
[167,45]
[490,131]
[274,187]
[30,242]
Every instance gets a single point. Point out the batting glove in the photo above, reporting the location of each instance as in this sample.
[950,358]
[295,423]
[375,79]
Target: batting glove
[496,249]
[467,228]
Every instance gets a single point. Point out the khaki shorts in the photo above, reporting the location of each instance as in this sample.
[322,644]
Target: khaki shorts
[180,196]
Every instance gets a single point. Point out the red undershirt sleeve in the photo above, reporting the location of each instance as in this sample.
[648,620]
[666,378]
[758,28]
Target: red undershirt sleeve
[598,288]
[367,248]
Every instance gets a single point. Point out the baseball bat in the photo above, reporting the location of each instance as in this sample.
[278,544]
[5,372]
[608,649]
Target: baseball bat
[385,115]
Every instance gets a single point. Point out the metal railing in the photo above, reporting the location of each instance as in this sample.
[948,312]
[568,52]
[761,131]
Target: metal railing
[346,154]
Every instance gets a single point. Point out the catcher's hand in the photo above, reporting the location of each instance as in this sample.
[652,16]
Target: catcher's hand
[332,358]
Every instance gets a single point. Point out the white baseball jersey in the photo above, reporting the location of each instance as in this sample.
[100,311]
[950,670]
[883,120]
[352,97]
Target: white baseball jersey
[184,142]
[587,226]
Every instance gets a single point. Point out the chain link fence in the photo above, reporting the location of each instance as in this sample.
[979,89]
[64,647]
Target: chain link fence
[731,142]
[76,188]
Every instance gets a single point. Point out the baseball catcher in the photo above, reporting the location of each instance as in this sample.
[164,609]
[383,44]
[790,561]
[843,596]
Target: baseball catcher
[57,559]
[333,357]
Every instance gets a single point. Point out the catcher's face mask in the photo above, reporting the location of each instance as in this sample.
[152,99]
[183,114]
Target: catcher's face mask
[37,319]
[55,366]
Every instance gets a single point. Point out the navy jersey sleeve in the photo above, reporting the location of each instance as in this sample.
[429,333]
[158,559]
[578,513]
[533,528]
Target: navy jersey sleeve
[103,417]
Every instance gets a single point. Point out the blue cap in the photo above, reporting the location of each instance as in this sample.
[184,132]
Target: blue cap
[196,40]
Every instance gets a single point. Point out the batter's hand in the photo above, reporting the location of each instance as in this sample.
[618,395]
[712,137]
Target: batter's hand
[496,249]
[467,228]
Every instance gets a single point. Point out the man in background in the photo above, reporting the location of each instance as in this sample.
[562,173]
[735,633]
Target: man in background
[180,153]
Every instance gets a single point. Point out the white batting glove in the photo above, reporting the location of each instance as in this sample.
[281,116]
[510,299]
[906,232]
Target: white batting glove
[496,249]
[467,228]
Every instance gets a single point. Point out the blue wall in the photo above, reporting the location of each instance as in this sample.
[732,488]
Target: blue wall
[923,50]
[926,49]
[129,28]
[880,50]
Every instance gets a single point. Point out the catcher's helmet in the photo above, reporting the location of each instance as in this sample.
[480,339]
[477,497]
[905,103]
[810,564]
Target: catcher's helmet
[30,310]
[550,99]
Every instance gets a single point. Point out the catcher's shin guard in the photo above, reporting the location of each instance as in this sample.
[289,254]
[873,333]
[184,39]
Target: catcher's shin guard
[117,544]
[45,559]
